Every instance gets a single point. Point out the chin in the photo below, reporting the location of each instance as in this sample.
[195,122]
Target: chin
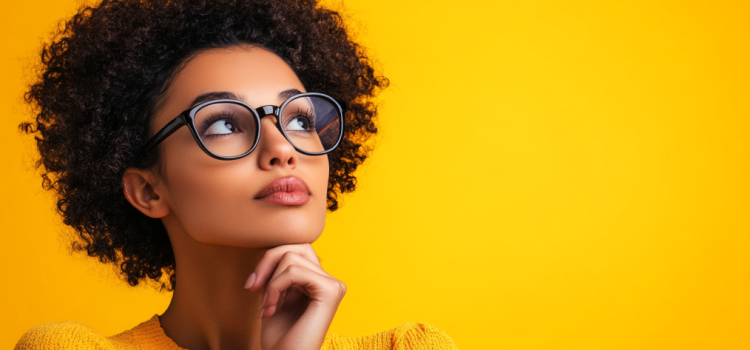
[291,236]
[265,236]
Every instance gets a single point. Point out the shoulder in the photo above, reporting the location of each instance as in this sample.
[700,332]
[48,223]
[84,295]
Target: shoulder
[408,336]
[418,335]
[62,335]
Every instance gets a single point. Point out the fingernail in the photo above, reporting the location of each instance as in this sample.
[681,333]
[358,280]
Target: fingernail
[261,312]
[250,281]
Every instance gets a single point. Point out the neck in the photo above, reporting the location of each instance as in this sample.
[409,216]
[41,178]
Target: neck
[210,309]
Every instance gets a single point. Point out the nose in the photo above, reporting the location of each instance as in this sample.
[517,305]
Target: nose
[275,152]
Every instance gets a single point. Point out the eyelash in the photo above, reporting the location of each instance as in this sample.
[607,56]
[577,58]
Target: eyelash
[231,117]
[299,113]
[216,117]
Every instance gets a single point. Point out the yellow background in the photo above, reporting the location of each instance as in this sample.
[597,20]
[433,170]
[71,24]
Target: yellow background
[549,175]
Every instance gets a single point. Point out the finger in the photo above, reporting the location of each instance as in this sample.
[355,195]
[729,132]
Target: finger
[292,258]
[269,311]
[321,289]
[270,260]
[267,264]
[281,299]
[312,325]
[309,253]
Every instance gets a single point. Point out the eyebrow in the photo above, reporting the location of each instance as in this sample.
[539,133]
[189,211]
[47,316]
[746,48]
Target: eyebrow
[288,93]
[216,95]
[222,95]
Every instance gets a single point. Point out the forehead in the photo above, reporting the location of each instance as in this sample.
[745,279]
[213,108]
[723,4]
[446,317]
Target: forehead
[254,73]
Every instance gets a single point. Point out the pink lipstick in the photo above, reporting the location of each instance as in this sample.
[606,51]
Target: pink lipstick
[285,191]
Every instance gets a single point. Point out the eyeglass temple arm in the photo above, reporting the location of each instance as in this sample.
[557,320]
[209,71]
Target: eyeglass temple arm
[342,104]
[167,130]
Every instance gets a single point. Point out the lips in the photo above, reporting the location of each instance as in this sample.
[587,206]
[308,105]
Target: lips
[285,191]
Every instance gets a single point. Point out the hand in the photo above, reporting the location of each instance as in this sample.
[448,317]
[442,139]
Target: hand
[300,299]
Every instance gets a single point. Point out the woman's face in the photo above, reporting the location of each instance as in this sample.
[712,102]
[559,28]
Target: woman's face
[226,202]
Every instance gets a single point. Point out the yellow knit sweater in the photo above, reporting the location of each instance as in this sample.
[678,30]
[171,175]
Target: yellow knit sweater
[150,335]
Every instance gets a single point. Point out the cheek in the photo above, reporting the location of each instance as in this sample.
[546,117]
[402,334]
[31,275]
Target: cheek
[210,200]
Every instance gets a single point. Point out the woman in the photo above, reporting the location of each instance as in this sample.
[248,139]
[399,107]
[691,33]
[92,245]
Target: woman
[198,144]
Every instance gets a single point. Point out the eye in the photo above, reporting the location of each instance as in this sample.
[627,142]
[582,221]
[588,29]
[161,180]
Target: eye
[222,126]
[298,123]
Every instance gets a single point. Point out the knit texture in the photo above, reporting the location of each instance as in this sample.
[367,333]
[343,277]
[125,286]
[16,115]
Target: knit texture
[149,335]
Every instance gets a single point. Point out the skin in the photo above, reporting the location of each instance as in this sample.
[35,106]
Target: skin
[224,239]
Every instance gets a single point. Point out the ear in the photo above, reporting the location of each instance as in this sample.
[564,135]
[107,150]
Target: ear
[141,190]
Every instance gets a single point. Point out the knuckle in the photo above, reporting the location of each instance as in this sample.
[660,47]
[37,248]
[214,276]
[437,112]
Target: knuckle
[294,269]
[287,255]
[339,289]
[336,285]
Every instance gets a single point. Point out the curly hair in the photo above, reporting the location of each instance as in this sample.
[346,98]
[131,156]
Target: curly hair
[104,72]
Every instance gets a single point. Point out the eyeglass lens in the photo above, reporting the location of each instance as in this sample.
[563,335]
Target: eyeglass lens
[311,123]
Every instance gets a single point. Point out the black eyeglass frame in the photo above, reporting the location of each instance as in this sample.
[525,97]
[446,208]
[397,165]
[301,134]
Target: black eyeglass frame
[187,117]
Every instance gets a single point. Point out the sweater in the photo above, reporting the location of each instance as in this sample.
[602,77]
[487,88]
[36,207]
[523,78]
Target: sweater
[150,335]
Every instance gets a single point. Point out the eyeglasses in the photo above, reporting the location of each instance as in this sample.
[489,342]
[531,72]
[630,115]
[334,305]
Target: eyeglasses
[229,129]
